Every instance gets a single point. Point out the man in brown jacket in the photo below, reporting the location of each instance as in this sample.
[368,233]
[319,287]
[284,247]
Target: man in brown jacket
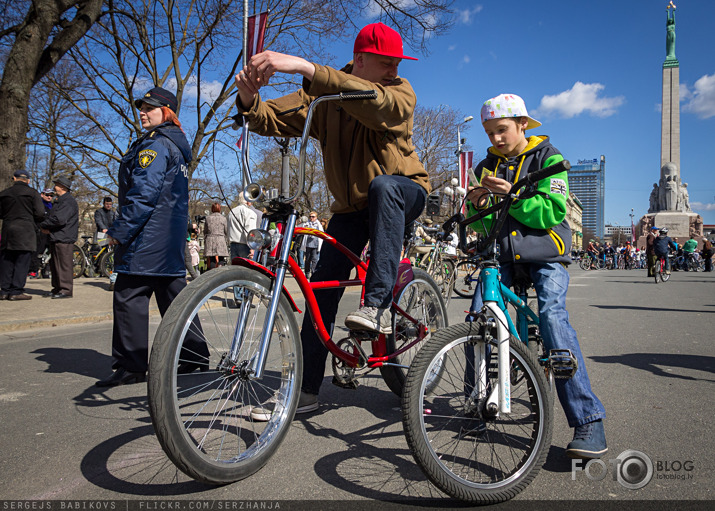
[371,168]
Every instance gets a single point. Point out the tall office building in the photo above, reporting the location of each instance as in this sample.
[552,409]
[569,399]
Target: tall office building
[587,180]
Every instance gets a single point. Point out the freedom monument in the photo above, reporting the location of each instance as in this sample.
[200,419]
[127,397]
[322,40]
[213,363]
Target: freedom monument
[669,202]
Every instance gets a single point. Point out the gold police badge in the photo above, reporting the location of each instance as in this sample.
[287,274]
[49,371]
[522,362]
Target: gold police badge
[146,157]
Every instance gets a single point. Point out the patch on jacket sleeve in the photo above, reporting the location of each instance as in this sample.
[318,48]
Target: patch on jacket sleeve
[558,186]
[146,157]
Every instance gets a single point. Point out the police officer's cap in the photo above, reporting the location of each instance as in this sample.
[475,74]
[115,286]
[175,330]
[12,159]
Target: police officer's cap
[158,97]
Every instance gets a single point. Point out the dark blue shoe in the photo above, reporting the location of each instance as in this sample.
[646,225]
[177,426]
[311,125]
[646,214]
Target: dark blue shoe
[589,442]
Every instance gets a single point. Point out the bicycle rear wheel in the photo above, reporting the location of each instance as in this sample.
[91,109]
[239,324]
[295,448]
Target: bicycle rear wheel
[466,278]
[79,262]
[421,299]
[207,421]
[664,275]
[464,451]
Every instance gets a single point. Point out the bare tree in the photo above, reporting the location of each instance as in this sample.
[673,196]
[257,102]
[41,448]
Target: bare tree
[40,37]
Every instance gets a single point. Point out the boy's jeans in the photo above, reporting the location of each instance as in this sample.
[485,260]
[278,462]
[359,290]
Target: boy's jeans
[551,281]
[394,201]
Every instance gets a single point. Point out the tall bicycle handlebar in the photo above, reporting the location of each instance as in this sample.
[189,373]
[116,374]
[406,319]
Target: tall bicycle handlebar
[254,191]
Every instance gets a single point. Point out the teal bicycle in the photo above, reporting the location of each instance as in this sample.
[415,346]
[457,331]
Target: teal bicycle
[477,402]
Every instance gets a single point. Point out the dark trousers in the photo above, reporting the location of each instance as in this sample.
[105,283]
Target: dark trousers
[130,334]
[61,265]
[311,260]
[239,250]
[14,265]
[393,203]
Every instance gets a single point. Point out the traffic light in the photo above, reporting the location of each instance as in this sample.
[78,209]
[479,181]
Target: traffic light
[433,204]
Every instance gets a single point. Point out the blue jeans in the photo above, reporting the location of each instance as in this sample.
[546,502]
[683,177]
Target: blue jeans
[393,202]
[551,280]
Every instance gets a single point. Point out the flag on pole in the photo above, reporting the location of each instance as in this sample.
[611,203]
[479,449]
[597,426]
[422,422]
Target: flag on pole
[256,34]
[465,162]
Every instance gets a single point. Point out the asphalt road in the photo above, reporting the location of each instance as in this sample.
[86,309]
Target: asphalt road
[649,350]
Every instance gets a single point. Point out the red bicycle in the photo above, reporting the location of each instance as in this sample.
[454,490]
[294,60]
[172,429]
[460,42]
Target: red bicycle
[201,407]
[661,271]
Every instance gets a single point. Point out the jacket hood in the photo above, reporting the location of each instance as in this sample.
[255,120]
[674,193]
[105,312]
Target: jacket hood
[176,135]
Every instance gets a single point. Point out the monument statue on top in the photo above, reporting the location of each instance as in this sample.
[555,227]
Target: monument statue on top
[669,204]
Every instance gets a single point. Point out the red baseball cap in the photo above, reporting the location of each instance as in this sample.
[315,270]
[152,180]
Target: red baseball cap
[380,39]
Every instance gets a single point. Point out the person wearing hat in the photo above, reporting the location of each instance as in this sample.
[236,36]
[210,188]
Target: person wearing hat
[62,226]
[372,170]
[537,237]
[20,207]
[150,237]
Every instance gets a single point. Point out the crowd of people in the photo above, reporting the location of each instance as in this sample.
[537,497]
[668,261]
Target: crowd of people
[628,256]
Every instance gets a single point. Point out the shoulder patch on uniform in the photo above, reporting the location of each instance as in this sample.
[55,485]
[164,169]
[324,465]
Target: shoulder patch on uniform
[558,186]
[146,157]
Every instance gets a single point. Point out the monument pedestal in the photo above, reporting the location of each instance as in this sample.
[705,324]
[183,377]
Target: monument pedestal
[678,223]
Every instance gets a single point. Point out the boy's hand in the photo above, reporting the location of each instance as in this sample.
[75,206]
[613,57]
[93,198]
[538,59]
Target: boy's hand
[479,195]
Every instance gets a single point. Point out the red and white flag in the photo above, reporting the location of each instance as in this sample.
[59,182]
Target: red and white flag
[256,34]
[465,162]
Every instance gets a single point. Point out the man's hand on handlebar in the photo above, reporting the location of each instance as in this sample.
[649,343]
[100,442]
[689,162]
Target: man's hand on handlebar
[262,67]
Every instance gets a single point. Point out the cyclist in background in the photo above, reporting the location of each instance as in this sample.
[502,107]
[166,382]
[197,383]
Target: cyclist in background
[688,251]
[592,250]
[661,247]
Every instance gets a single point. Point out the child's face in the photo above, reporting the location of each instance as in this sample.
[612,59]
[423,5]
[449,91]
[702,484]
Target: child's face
[507,135]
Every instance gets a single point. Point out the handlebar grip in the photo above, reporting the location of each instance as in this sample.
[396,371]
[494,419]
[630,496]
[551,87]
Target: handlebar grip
[358,94]
[562,166]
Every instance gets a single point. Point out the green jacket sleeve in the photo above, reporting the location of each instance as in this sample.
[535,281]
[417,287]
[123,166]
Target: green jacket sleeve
[539,212]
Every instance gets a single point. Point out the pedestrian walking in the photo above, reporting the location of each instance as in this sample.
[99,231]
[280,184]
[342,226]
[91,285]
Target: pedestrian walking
[215,235]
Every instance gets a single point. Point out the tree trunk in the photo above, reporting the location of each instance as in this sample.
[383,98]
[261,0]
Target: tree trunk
[30,58]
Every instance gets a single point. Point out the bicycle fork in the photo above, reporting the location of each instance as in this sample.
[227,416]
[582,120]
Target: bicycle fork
[257,362]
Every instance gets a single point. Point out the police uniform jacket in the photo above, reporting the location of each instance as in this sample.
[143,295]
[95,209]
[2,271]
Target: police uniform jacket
[153,205]
[20,207]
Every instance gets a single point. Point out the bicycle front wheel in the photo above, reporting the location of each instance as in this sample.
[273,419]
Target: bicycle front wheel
[466,278]
[106,264]
[79,262]
[466,452]
[421,299]
[220,423]
[585,263]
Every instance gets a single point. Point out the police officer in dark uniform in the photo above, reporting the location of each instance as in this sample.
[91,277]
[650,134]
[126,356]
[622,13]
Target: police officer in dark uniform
[149,233]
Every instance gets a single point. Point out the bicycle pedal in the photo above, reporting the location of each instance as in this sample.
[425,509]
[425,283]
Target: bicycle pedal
[562,363]
[345,384]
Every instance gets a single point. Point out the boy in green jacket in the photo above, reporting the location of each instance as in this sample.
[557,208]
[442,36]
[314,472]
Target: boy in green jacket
[537,236]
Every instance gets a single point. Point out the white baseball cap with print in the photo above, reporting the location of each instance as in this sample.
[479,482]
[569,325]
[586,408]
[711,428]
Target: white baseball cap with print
[507,105]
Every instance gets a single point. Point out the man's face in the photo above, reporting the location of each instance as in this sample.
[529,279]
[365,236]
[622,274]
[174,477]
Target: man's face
[507,135]
[376,68]
[59,190]
[107,206]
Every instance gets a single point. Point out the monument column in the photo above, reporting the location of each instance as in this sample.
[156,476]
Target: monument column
[670,120]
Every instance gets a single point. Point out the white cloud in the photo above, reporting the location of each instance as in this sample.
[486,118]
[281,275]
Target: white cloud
[465,15]
[209,90]
[466,59]
[452,47]
[699,206]
[581,98]
[701,101]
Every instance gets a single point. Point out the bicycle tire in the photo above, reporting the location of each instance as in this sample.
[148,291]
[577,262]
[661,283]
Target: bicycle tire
[79,262]
[585,263]
[106,264]
[421,299]
[444,277]
[203,420]
[452,446]
[656,271]
[664,275]
[466,278]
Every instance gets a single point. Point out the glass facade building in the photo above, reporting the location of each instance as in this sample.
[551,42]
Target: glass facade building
[587,180]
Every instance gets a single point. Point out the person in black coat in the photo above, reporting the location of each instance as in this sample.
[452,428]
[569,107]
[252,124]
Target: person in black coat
[20,207]
[62,224]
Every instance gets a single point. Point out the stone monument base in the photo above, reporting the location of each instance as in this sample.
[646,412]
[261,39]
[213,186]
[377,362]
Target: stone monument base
[680,225]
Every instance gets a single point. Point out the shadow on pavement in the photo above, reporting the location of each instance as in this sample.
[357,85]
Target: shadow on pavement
[649,309]
[84,362]
[655,362]
[133,463]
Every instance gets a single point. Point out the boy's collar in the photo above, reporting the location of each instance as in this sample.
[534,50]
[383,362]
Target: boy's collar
[532,142]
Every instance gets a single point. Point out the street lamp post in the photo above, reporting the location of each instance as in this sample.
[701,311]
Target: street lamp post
[458,152]
[633,232]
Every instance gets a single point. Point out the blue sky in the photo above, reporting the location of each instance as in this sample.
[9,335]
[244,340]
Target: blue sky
[591,72]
